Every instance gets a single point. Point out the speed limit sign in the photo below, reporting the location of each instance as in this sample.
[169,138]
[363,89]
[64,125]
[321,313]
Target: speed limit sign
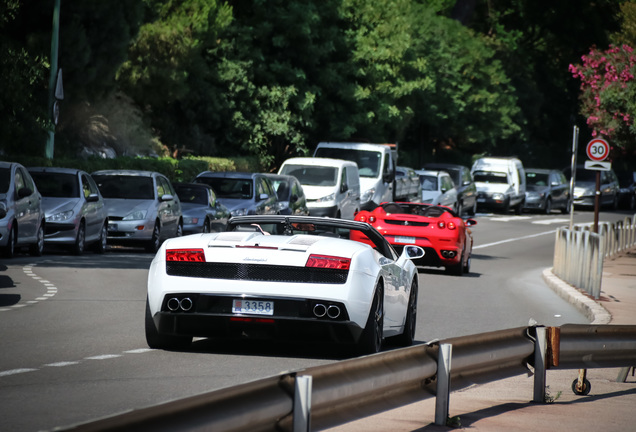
[598,149]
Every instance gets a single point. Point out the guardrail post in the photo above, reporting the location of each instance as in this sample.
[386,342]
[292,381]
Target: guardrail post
[443,383]
[302,404]
[540,355]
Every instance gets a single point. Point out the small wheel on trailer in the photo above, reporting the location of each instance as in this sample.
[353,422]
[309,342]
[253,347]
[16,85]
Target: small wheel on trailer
[581,391]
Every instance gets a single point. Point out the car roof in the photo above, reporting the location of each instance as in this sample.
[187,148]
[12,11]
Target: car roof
[318,161]
[55,170]
[192,185]
[140,173]
[228,174]
[441,166]
[432,173]
[539,170]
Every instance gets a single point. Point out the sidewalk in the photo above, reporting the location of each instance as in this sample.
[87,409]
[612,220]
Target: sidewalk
[505,405]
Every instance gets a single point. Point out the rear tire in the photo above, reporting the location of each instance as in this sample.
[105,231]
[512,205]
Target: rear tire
[37,248]
[80,240]
[156,340]
[408,335]
[458,269]
[371,339]
[100,245]
[8,251]
[155,240]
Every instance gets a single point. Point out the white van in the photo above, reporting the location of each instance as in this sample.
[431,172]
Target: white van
[501,183]
[376,164]
[332,186]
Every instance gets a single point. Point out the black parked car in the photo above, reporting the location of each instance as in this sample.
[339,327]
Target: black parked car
[464,183]
[546,190]
[242,193]
[290,193]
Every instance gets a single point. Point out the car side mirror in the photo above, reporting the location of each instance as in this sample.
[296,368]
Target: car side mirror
[166,197]
[413,252]
[470,222]
[24,192]
[92,198]
[263,196]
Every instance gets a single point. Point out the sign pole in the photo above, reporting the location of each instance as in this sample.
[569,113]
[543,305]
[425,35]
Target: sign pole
[575,146]
[597,201]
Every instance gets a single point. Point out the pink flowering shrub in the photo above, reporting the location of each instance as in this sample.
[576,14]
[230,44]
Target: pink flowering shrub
[608,92]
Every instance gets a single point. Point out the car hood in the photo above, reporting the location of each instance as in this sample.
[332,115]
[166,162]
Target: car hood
[430,195]
[585,184]
[233,203]
[122,207]
[493,187]
[535,188]
[58,205]
[189,209]
[315,192]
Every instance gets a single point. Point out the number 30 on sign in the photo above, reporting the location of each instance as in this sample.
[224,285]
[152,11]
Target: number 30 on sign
[597,149]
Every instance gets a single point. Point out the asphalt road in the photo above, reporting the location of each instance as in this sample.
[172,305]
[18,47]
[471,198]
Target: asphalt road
[73,346]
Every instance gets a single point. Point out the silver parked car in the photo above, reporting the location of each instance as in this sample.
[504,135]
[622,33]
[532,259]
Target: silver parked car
[142,206]
[21,215]
[74,209]
[547,190]
[202,212]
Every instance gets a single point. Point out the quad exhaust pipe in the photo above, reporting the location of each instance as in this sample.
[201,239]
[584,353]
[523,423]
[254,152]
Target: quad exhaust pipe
[184,304]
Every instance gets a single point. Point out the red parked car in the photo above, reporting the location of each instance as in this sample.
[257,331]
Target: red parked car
[445,236]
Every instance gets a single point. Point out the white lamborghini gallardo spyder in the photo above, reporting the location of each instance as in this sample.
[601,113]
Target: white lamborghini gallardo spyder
[286,278]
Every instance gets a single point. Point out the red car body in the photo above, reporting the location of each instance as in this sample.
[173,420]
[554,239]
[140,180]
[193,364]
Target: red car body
[445,237]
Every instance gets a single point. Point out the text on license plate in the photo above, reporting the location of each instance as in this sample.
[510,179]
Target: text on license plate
[408,240]
[257,307]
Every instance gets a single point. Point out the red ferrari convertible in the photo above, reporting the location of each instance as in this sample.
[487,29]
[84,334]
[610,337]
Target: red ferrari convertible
[445,236]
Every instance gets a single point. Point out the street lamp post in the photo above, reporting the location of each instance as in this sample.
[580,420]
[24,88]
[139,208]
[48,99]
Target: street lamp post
[55,39]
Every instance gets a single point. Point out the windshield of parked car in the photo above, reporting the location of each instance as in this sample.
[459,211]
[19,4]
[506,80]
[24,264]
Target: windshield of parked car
[5,179]
[537,179]
[311,175]
[192,194]
[490,177]
[125,186]
[368,161]
[428,182]
[231,188]
[56,185]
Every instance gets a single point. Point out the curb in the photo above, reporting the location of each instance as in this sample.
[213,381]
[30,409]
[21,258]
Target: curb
[595,312]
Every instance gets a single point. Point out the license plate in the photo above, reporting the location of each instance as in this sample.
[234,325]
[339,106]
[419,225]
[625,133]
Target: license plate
[407,240]
[255,307]
[481,199]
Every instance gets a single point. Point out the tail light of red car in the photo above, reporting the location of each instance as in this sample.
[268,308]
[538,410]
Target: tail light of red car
[450,225]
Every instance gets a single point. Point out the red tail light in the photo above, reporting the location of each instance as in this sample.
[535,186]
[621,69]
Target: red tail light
[441,224]
[189,255]
[371,219]
[362,218]
[329,262]
[451,225]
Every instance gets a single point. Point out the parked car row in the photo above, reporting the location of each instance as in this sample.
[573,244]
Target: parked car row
[70,208]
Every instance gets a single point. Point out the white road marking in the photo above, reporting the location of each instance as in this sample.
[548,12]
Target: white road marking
[551,221]
[103,357]
[61,364]
[513,239]
[15,371]
[51,289]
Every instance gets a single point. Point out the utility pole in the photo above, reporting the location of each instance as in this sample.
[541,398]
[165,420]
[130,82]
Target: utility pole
[55,40]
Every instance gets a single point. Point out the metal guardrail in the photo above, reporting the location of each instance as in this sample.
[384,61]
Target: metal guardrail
[579,253]
[329,395]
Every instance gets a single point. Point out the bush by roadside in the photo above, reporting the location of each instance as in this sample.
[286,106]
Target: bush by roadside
[177,170]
